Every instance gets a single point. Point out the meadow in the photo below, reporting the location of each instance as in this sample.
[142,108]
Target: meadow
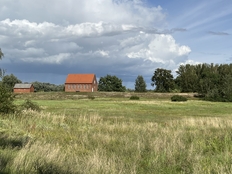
[108,133]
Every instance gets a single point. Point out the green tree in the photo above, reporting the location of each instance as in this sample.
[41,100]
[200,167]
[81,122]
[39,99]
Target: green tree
[209,78]
[140,84]
[10,80]
[217,83]
[111,83]
[6,100]
[46,87]
[213,82]
[163,80]
[1,54]
[6,97]
[1,70]
[187,78]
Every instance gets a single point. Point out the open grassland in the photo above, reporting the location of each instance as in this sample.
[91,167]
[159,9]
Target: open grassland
[112,134]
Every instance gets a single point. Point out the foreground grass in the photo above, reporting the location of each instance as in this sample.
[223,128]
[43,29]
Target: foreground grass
[45,143]
[87,141]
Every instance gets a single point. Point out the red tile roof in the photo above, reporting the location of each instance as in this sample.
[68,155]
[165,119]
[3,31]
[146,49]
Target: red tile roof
[80,78]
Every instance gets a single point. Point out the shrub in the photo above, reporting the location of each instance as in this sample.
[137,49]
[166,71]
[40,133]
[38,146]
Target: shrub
[178,98]
[6,100]
[28,104]
[91,97]
[134,97]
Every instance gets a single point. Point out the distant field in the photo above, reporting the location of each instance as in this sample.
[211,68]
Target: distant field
[108,133]
[151,106]
[106,95]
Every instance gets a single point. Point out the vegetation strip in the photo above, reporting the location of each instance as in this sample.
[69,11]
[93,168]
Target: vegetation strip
[117,135]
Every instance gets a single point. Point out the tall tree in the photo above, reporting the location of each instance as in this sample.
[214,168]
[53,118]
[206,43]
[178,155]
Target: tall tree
[6,100]
[6,97]
[162,80]
[1,70]
[208,78]
[187,78]
[10,80]
[213,82]
[111,83]
[140,84]
[1,54]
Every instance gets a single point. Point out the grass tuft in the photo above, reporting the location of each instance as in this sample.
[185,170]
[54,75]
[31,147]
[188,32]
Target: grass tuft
[134,97]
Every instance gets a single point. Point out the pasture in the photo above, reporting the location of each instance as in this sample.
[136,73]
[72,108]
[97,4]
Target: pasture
[108,133]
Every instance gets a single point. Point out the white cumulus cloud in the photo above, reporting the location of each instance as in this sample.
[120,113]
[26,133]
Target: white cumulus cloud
[156,48]
[92,36]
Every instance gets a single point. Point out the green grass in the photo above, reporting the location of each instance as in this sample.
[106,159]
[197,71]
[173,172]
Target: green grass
[146,109]
[113,134]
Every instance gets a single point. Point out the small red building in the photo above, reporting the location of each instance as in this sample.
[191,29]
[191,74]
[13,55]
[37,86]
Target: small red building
[23,88]
[81,83]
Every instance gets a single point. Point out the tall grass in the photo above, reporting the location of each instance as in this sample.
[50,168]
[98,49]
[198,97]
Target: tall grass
[89,143]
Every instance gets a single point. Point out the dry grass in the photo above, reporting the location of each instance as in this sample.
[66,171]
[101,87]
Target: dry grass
[91,144]
[102,95]
[117,135]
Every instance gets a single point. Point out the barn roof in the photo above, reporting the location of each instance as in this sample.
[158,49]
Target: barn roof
[80,78]
[21,85]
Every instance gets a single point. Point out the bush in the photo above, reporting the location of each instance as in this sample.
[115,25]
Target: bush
[133,97]
[91,97]
[6,100]
[178,98]
[28,104]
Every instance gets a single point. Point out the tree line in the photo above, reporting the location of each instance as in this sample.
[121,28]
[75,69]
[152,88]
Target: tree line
[210,81]
[213,82]
[10,80]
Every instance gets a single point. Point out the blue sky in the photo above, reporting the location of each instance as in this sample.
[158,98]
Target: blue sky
[45,40]
[208,28]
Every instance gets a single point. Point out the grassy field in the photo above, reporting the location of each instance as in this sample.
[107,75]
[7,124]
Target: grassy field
[108,133]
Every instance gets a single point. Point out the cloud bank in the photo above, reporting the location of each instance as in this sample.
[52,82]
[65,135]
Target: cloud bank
[100,36]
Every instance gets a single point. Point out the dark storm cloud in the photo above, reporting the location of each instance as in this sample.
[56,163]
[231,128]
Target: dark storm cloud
[101,37]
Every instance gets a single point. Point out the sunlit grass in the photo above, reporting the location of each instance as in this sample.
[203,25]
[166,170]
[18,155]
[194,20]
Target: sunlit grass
[118,136]
[145,108]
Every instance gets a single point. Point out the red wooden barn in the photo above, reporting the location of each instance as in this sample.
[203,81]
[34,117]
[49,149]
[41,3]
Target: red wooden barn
[81,83]
[23,88]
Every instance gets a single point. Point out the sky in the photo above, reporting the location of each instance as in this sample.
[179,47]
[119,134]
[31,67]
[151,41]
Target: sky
[46,40]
